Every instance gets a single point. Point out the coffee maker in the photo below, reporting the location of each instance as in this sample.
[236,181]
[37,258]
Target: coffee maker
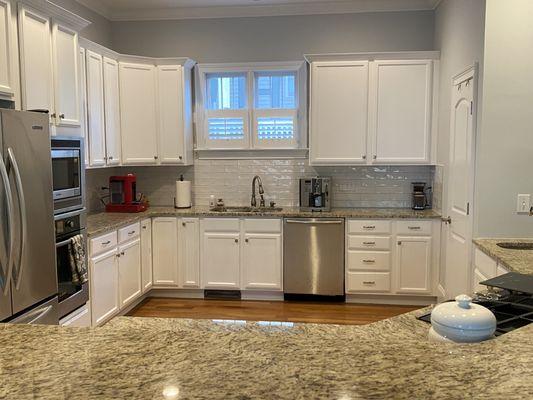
[315,194]
[123,195]
[420,199]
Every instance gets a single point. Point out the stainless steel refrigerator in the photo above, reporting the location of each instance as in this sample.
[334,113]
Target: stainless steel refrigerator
[28,277]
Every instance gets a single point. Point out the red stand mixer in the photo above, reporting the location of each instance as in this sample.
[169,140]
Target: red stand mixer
[123,195]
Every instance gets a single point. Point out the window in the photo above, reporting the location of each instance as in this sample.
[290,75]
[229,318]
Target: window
[251,106]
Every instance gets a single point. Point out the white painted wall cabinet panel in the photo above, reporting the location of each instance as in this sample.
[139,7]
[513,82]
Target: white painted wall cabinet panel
[129,268]
[165,251]
[66,79]
[104,286]
[138,113]
[400,110]
[83,102]
[95,109]
[261,261]
[146,254]
[112,111]
[339,112]
[413,257]
[7,52]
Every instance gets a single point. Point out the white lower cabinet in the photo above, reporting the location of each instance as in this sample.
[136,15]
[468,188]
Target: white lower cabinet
[220,253]
[483,268]
[165,251]
[261,261]
[146,254]
[189,254]
[129,268]
[104,286]
[413,264]
[79,318]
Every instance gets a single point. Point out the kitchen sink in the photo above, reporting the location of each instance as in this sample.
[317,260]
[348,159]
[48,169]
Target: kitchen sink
[244,209]
[516,245]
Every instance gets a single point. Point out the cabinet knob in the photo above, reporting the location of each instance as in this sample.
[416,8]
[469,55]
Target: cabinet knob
[375,157]
[110,157]
[363,157]
[236,240]
[61,116]
[246,240]
[399,243]
[121,253]
[183,224]
[180,157]
[144,226]
[156,157]
[117,255]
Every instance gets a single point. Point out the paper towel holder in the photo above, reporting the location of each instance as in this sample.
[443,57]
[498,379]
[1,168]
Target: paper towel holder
[183,207]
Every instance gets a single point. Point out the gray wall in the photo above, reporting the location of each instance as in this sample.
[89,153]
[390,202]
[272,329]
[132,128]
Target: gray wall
[505,143]
[275,38]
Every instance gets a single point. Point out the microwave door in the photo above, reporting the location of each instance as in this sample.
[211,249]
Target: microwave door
[66,169]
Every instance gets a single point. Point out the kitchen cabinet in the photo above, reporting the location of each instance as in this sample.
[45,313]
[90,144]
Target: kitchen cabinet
[338,112]
[165,251]
[413,257]
[400,110]
[95,109]
[83,98]
[261,261]
[129,267]
[146,254]
[138,113]
[104,286]
[80,318]
[189,252]
[66,76]
[111,111]
[8,53]
[483,268]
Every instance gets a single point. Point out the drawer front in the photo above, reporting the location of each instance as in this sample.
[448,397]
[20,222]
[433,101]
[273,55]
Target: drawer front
[129,232]
[221,224]
[261,225]
[103,243]
[367,282]
[369,242]
[368,226]
[414,227]
[486,265]
[369,260]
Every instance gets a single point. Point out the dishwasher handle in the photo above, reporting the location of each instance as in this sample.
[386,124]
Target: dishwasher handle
[311,222]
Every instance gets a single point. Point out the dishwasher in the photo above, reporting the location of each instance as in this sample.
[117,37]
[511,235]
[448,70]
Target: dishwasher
[313,256]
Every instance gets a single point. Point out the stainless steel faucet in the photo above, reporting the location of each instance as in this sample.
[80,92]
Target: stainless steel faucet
[261,192]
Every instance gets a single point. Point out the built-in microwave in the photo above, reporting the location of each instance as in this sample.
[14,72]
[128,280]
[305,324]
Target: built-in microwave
[68,173]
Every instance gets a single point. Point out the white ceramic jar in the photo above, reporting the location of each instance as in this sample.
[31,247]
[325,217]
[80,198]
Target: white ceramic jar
[461,321]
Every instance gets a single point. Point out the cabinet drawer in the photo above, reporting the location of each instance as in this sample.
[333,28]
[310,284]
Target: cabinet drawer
[413,227]
[129,232]
[261,225]
[221,224]
[368,282]
[103,243]
[369,242]
[485,264]
[368,260]
[365,226]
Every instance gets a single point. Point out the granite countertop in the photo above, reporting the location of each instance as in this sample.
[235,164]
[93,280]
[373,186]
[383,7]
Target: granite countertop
[102,222]
[151,358]
[520,261]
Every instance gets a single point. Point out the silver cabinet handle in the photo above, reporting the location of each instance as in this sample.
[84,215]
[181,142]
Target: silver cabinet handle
[144,226]
[106,243]
[10,229]
[296,221]
[369,243]
[131,233]
[369,261]
[22,212]
[369,226]
[414,228]
[369,282]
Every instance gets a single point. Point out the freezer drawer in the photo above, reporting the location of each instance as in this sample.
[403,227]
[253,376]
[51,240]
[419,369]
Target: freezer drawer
[313,256]
[44,314]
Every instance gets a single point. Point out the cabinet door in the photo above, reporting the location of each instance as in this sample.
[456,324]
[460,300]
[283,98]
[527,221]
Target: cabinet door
[95,109]
[339,103]
[400,110]
[413,264]
[6,51]
[165,251]
[129,272]
[112,111]
[83,103]
[138,113]
[104,286]
[171,133]
[189,260]
[35,61]
[261,261]
[66,79]
[146,254]
[219,258]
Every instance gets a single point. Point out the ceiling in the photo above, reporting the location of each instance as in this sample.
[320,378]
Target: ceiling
[134,10]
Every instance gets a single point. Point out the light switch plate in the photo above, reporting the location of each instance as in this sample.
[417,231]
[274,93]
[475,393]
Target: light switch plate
[523,203]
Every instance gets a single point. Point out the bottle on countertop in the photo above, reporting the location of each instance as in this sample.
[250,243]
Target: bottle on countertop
[212,200]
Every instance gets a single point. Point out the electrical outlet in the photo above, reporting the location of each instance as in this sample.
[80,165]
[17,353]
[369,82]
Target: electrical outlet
[523,203]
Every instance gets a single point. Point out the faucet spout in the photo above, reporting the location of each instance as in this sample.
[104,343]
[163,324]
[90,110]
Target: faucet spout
[253,202]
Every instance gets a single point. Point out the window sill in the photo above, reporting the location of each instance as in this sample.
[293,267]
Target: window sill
[250,154]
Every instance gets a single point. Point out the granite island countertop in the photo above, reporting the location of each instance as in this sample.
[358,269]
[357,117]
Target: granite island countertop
[102,222]
[151,358]
[520,261]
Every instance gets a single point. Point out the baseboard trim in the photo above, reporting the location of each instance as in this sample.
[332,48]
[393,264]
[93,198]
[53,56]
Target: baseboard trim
[261,295]
[176,293]
[392,300]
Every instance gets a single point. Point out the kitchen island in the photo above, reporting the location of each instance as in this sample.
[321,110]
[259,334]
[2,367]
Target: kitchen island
[150,358]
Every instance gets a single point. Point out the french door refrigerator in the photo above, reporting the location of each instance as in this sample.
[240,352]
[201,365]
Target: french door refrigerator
[28,277]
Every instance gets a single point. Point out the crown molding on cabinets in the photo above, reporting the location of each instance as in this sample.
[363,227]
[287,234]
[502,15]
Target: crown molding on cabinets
[397,55]
[55,11]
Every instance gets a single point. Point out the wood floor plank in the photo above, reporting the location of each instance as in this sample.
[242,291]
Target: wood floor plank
[284,311]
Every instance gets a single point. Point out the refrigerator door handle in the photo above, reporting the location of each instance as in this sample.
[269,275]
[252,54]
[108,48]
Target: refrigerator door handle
[10,228]
[12,162]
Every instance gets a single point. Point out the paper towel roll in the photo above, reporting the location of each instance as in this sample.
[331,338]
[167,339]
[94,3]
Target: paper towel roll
[183,194]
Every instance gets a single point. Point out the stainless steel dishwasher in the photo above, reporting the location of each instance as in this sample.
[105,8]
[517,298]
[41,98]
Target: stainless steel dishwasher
[313,256]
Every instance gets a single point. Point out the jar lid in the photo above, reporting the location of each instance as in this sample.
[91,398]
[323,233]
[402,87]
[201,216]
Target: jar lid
[463,314]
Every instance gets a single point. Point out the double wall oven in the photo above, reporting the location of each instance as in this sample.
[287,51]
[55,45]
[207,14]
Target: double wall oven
[70,220]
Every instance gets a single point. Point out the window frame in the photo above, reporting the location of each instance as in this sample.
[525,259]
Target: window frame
[250,114]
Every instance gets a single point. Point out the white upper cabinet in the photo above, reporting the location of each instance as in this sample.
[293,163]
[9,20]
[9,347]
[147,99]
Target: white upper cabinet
[36,61]
[138,113]
[7,51]
[338,112]
[95,109]
[112,111]
[66,76]
[400,110]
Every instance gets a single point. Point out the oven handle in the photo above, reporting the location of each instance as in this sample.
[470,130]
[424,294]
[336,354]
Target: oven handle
[63,243]
[10,227]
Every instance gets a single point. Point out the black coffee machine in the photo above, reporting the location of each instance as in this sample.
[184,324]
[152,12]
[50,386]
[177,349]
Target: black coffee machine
[420,196]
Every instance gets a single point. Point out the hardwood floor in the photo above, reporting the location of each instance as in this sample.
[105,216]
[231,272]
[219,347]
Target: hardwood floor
[322,313]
